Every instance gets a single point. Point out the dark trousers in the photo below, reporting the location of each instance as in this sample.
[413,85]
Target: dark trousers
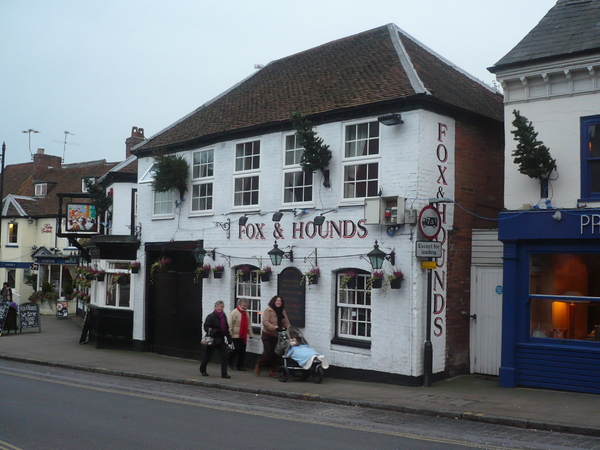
[239,351]
[223,348]
[269,358]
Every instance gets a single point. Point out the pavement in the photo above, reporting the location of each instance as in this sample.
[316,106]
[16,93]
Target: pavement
[468,397]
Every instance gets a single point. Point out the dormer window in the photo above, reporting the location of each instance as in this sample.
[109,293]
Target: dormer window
[41,189]
[84,183]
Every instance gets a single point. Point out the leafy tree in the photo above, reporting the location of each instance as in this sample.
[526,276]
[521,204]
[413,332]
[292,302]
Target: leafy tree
[532,156]
[171,172]
[316,154]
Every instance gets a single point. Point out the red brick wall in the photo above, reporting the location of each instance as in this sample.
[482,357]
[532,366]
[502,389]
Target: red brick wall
[479,176]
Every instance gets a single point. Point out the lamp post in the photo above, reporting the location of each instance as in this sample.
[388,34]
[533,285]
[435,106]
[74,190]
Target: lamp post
[429,225]
[277,255]
[376,257]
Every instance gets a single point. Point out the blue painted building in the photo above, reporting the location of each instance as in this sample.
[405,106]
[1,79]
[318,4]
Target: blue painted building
[551,299]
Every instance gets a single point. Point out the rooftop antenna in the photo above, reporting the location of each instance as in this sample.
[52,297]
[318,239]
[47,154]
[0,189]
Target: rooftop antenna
[29,133]
[65,143]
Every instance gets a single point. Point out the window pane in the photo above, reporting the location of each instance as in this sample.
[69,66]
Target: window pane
[246,191]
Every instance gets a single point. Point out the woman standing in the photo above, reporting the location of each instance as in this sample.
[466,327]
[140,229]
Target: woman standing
[6,293]
[216,326]
[274,319]
[241,330]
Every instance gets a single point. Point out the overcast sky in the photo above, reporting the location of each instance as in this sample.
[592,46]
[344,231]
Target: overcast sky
[96,68]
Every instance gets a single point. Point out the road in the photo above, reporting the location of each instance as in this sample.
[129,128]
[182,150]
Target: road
[51,408]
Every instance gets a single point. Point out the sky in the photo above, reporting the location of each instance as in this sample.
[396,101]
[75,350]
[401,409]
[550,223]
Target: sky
[97,68]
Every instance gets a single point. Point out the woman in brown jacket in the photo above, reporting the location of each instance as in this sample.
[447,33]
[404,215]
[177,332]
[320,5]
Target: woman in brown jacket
[274,319]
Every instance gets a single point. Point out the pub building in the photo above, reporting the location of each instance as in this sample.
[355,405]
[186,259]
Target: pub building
[407,131]
[551,234]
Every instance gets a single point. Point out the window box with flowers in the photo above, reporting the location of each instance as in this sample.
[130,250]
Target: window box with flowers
[160,265]
[244,272]
[134,266]
[311,277]
[348,280]
[376,280]
[218,271]
[265,273]
[201,272]
[395,279]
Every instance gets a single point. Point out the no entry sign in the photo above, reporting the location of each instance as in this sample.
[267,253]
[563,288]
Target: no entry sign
[430,222]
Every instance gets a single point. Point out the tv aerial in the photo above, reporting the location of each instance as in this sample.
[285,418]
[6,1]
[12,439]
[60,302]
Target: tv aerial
[67,133]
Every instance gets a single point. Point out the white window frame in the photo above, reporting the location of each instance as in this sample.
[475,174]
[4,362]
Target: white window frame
[84,187]
[163,198]
[12,237]
[246,168]
[201,180]
[293,169]
[114,290]
[41,190]
[351,161]
[354,318]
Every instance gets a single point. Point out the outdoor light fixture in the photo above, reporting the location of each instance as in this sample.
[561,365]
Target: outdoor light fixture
[277,216]
[199,254]
[376,257]
[390,119]
[243,220]
[277,255]
[319,220]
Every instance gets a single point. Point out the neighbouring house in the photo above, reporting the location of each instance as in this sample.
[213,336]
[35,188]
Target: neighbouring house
[31,251]
[416,163]
[114,252]
[551,237]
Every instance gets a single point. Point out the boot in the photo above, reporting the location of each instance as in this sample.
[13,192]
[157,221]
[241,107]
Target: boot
[272,373]
[257,370]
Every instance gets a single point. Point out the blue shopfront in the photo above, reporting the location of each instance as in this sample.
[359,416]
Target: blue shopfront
[551,301]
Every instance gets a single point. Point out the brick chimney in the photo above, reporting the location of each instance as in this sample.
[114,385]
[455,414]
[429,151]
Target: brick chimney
[137,136]
[43,162]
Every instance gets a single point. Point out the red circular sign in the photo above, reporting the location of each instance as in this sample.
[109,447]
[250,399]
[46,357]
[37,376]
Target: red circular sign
[430,222]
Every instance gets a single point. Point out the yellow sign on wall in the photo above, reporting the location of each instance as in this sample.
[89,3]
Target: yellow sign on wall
[428,265]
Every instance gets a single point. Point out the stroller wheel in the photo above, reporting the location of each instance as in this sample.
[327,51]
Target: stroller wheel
[319,374]
[283,374]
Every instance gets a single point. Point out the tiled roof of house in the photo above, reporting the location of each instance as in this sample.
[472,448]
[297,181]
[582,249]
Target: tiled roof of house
[20,180]
[376,67]
[570,28]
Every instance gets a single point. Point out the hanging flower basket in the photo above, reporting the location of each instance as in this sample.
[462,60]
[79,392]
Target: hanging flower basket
[134,267]
[396,283]
[100,276]
[396,279]
[376,280]
[348,280]
[311,277]
[218,271]
[244,273]
[265,273]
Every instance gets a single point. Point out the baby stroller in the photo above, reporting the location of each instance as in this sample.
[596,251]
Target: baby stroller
[299,360]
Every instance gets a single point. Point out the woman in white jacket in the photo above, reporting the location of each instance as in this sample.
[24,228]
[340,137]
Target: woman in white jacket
[241,330]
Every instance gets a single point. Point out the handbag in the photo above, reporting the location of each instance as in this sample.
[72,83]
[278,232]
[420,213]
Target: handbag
[207,340]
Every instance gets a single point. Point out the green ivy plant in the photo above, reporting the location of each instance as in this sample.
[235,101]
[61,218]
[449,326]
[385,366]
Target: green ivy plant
[316,154]
[170,172]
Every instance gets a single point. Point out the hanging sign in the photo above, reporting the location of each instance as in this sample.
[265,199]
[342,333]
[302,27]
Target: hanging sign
[430,222]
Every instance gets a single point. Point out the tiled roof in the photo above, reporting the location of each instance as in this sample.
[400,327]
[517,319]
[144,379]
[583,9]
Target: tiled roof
[380,66]
[571,27]
[20,180]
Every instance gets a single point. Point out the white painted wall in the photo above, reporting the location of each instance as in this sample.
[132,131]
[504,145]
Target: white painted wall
[408,168]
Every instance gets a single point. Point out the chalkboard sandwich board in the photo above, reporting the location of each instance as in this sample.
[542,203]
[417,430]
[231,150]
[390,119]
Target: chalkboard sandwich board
[30,316]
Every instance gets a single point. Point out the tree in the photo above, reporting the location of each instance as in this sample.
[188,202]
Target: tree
[171,172]
[316,154]
[100,199]
[532,156]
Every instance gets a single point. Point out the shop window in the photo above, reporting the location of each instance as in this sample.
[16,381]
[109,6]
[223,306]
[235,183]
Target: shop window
[118,290]
[590,157]
[353,307]
[564,296]
[250,290]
